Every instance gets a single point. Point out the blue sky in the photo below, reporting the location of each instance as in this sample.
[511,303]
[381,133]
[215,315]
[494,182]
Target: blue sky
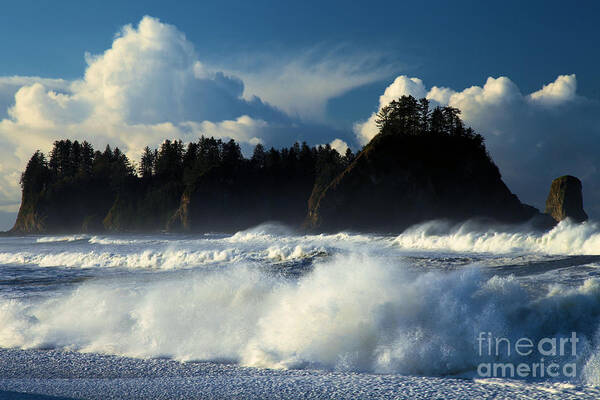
[275,72]
[451,43]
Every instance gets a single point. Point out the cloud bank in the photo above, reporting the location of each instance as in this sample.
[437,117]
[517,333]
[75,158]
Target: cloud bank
[148,86]
[533,137]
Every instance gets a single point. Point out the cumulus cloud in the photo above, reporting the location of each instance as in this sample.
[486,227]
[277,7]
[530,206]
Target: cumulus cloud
[150,75]
[10,85]
[338,145]
[533,138]
[561,90]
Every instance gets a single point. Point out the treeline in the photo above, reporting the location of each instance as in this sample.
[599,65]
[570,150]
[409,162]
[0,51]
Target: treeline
[71,160]
[174,162]
[411,117]
[207,184]
[78,187]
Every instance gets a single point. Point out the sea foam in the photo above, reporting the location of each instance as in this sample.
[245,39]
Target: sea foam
[351,313]
[565,238]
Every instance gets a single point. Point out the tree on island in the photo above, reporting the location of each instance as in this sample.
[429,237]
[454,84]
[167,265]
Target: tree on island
[407,116]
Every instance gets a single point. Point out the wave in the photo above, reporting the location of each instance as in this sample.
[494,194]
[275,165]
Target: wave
[351,312]
[168,259]
[565,238]
[115,241]
[67,238]
[262,232]
[164,259]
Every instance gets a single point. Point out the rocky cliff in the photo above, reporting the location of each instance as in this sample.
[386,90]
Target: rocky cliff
[565,199]
[67,207]
[224,201]
[399,180]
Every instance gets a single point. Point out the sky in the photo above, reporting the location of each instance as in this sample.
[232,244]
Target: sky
[524,75]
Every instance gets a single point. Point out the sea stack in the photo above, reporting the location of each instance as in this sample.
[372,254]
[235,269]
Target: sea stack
[401,179]
[565,199]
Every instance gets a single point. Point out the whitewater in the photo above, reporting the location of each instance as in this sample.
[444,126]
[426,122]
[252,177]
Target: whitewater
[272,313]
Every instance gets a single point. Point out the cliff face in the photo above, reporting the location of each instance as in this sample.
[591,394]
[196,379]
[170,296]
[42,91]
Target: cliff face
[399,180]
[565,199]
[29,220]
[76,206]
[143,206]
[221,200]
[224,201]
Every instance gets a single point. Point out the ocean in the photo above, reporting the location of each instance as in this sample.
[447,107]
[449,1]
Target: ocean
[439,311]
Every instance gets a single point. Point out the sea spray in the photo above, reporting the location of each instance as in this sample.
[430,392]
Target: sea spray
[271,243]
[350,312]
[565,238]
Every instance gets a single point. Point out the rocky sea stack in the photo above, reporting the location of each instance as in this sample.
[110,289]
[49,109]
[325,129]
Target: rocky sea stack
[399,180]
[565,199]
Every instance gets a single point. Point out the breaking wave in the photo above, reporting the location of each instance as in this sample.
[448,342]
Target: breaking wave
[358,304]
[565,238]
[351,312]
[167,259]
[67,238]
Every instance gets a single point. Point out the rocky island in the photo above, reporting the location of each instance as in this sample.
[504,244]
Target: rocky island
[565,199]
[421,166]
[424,164]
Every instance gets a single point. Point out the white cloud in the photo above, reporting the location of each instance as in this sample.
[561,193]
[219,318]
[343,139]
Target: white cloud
[36,106]
[339,145]
[243,129]
[302,84]
[562,89]
[402,85]
[533,138]
[9,85]
[151,75]
[440,95]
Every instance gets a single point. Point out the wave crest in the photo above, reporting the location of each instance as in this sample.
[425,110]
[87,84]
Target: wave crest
[351,312]
[565,238]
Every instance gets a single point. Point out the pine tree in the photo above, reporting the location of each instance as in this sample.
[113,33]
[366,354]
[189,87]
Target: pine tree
[348,157]
[87,159]
[231,157]
[36,175]
[146,168]
[258,157]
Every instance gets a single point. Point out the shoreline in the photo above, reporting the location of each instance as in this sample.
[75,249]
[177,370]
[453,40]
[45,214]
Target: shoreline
[96,376]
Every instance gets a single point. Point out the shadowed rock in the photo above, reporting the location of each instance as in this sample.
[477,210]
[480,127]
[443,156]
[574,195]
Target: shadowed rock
[399,180]
[565,199]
